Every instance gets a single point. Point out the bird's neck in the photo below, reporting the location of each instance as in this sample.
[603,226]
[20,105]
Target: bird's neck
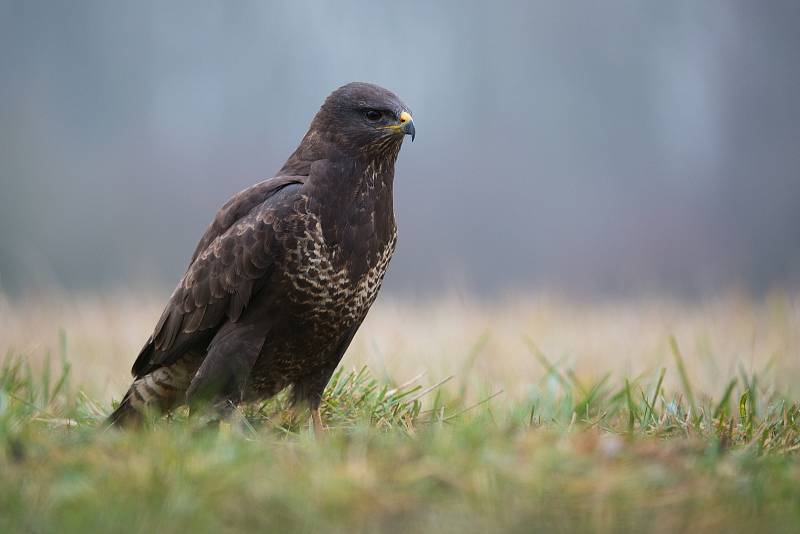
[354,184]
[354,200]
[328,162]
[361,183]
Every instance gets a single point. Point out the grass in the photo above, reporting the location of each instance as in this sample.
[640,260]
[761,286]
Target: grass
[662,449]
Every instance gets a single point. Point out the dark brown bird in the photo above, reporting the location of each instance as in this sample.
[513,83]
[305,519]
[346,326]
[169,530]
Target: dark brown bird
[285,274]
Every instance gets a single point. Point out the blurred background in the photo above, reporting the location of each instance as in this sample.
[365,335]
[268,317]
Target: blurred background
[592,148]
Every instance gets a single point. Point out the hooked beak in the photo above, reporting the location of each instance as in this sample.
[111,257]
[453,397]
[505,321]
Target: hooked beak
[407,124]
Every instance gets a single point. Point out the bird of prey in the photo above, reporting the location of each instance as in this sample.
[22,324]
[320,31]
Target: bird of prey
[286,272]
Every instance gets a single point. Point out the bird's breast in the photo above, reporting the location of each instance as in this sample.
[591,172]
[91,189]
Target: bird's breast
[333,284]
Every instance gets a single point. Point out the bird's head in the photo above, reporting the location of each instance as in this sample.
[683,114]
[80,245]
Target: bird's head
[364,119]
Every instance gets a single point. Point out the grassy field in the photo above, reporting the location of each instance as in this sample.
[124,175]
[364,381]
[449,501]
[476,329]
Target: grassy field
[641,415]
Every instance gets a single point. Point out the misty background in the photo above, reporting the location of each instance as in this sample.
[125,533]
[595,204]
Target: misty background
[592,147]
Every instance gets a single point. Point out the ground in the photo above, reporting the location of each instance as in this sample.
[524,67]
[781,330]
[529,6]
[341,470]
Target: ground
[519,414]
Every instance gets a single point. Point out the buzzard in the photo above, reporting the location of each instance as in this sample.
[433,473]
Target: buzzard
[286,272]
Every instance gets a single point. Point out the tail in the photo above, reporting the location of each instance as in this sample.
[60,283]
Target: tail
[161,389]
[125,414]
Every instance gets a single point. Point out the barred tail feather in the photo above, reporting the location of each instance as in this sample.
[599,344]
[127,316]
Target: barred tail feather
[162,389]
[125,414]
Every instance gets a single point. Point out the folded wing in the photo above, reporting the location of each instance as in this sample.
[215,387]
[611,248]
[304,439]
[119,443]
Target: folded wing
[232,263]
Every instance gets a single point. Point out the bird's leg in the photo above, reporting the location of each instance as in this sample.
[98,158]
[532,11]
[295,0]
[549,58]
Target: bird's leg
[316,421]
[310,391]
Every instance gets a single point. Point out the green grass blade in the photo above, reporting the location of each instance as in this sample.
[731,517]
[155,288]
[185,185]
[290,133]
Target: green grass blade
[722,407]
[687,386]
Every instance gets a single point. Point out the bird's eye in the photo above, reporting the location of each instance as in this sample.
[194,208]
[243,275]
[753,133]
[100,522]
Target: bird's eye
[373,115]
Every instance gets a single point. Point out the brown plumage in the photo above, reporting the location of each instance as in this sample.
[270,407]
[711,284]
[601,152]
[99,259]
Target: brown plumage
[285,274]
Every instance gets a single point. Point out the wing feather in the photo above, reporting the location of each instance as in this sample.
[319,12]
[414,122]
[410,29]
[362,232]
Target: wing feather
[232,262]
